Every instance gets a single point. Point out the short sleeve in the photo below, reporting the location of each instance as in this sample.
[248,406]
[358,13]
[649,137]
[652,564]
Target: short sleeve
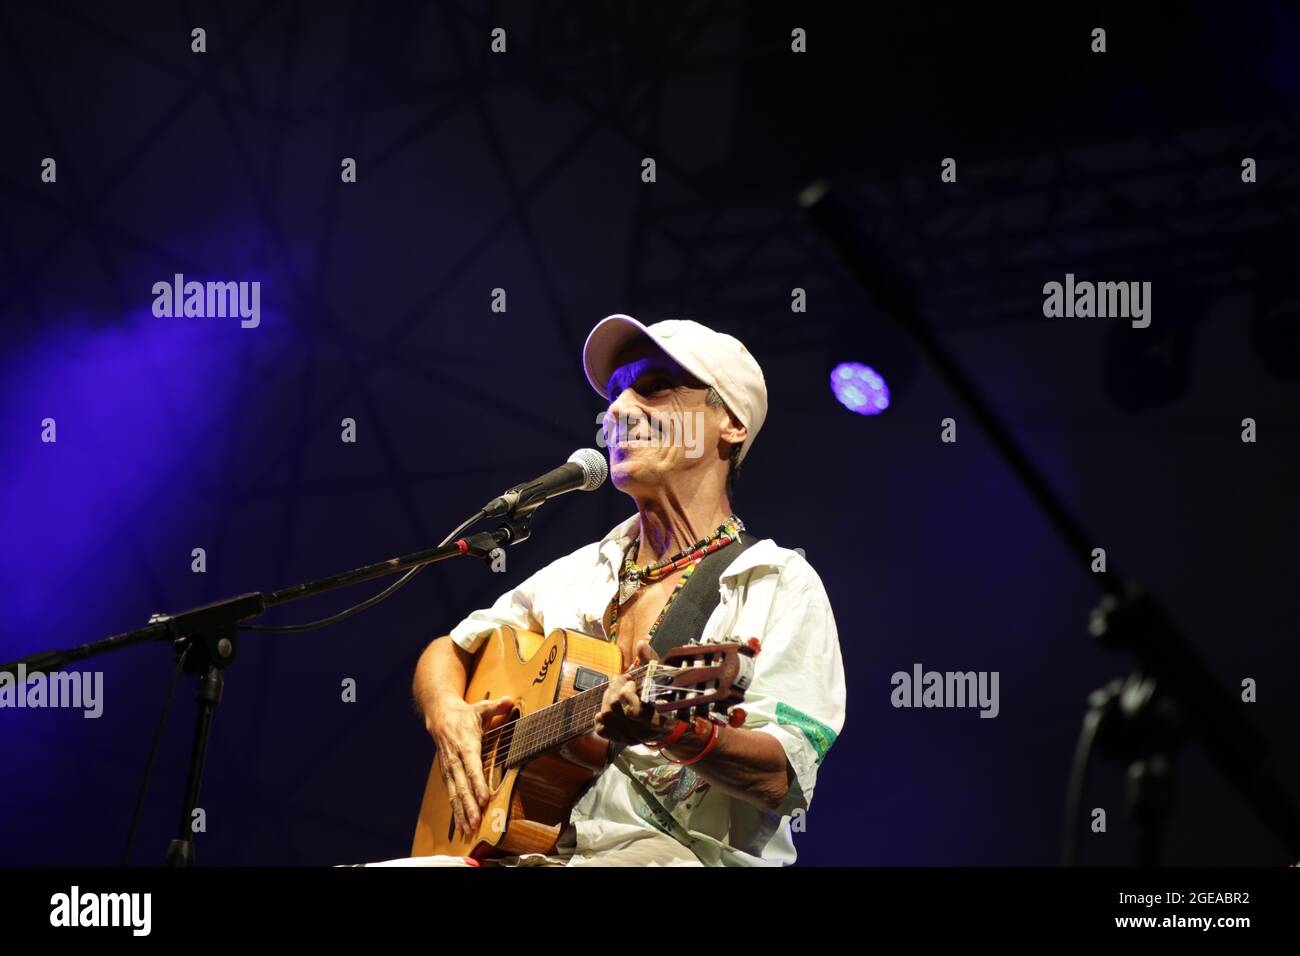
[798,691]
[514,608]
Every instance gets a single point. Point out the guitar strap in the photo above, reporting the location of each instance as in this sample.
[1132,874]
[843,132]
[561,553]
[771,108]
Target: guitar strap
[685,621]
[683,624]
[690,610]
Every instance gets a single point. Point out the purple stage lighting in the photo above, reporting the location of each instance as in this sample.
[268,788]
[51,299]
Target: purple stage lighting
[859,388]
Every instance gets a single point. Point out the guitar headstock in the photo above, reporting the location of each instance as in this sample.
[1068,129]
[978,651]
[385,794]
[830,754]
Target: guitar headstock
[702,678]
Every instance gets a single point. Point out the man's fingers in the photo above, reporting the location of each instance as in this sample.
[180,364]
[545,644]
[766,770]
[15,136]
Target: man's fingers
[474,771]
[456,812]
[453,797]
[629,701]
[612,689]
[619,704]
[492,708]
[461,786]
[620,699]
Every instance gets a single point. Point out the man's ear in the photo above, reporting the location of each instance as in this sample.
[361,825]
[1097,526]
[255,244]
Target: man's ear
[732,431]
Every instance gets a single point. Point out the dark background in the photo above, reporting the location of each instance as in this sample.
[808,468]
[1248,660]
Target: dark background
[522,171]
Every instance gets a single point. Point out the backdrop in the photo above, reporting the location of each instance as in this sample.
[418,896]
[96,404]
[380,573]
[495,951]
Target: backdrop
[130,439]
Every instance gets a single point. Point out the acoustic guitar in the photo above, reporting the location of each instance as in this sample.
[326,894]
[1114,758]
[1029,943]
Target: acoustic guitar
[539,758]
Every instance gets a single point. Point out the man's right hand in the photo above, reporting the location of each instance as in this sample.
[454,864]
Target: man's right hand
[458,731]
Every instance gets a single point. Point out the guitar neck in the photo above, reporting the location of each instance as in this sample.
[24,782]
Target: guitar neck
[556,724]
[711,678]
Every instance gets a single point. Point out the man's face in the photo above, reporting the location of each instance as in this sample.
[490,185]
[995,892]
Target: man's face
[658,422]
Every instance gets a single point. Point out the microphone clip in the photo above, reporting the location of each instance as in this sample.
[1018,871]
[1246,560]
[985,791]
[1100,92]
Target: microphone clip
[519,523]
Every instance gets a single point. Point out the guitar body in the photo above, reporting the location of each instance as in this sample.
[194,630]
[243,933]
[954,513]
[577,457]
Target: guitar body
[530,804]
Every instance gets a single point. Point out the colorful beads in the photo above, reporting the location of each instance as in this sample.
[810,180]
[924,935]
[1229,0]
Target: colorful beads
[726,533]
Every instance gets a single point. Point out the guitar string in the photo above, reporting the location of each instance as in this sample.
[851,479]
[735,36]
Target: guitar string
[545,731]
[558,732]
[509,758]
[634,674]
[534,742]
[572,724]
[590,693]
[543,727]
[537,735]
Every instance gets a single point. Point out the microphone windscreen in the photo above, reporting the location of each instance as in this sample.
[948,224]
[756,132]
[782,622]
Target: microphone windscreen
[594,467]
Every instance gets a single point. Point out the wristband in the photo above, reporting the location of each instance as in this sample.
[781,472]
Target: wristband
[713,740]
[670,737]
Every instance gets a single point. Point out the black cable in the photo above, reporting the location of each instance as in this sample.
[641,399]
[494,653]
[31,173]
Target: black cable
[153,752]
[1078,777]
[368,602]
[344,614]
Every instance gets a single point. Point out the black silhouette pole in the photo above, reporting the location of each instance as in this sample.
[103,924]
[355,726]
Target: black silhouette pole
[1172,694]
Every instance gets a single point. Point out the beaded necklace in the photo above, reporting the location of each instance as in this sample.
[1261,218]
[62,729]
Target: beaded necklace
[633,577]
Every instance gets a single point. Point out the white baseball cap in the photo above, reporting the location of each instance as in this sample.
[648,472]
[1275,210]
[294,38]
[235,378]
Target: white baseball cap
[715,358]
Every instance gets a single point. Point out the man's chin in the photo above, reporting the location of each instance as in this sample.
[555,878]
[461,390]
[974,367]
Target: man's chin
[626,475]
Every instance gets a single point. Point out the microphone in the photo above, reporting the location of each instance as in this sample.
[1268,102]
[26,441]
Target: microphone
[586,470]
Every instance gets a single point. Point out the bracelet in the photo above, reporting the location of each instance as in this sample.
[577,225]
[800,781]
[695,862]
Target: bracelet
[666,739]
[713,740]
[670,737]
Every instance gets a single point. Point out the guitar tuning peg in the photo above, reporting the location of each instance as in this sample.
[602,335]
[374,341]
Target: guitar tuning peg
[736,717]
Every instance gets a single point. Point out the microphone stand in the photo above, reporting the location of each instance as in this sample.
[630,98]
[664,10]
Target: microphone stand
[205,642]
[1172,694]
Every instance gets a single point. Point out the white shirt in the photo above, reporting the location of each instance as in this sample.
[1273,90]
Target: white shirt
[797,696]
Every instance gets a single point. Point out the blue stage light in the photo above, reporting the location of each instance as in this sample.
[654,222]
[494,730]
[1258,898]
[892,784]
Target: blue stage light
[859,388]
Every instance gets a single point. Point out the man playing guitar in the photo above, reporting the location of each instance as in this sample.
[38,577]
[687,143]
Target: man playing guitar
[679,792]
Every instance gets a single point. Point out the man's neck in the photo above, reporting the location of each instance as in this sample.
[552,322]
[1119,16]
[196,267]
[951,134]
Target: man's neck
[670,527]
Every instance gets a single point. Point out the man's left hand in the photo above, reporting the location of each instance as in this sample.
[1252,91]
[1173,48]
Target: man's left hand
[622,717]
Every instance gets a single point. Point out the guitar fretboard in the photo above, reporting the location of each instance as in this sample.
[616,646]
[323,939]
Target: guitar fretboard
[553,725]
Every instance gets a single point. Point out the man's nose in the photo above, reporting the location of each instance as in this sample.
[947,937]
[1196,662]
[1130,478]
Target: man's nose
[625,408]
[626,403]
